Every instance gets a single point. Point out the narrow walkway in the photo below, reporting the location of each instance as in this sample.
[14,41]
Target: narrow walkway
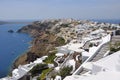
[101,52]
[68,58]
[83,71]
[86,45]
[98,56]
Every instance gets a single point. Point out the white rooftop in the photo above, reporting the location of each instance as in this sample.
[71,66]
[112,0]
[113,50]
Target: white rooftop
[38,61]
[74,47]
[99,76]
[107,68]
[111,62]
[97,31]
[85,53]
[59,54]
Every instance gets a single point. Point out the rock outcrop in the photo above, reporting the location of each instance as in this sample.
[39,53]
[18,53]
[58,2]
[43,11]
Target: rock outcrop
[10,31]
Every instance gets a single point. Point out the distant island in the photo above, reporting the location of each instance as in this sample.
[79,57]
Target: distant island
[15,22]
[2,22]
[10,31]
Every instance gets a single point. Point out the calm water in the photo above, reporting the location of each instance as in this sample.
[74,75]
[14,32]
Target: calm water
[11,46]
[114,21]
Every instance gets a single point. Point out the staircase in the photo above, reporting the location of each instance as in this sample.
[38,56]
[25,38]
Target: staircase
[86,45]
[101,52]
[98,56]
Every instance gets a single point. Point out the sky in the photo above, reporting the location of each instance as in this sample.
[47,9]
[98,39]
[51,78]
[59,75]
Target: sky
[49,9]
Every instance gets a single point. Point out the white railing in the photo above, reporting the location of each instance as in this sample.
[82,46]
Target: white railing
[91,57]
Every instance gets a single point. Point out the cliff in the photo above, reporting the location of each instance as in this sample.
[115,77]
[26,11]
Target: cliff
[44,39]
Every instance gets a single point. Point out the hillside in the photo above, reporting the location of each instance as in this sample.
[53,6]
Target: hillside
[45,39]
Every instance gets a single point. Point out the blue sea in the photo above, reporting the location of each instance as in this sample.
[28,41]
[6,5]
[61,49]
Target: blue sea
[112,21]
[12,45]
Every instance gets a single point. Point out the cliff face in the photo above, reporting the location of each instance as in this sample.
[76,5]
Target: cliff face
[36,28]
[44,40]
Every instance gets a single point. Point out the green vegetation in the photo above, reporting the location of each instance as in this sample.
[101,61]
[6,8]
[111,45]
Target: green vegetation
[10,74]
[72,34]
[117,32]
[54,75]
[90,45]
[114,28]
[44,73]
[65,71]
[38,69]
[115,47]
[64,25]
[60,41]
[51,57]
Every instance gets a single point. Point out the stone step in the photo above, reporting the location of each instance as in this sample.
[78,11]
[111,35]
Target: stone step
[101,52]
[99,55]
[83,71]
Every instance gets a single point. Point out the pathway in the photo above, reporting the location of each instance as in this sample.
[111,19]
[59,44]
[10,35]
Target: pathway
[98,56]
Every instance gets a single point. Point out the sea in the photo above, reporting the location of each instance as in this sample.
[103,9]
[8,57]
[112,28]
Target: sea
[12,45]
[112,21]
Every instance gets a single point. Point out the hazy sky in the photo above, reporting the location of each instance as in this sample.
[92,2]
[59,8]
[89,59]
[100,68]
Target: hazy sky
[44,9]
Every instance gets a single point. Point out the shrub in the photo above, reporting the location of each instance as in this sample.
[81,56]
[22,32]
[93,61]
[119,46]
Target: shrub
[44,73]
[50,58]
[117,32]
[90,45]
[64,25]
[60,41]
[38,69]
[65,71]
[115,47]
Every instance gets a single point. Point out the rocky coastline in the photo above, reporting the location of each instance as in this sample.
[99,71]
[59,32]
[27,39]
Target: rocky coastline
[48,34]
[44,39]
